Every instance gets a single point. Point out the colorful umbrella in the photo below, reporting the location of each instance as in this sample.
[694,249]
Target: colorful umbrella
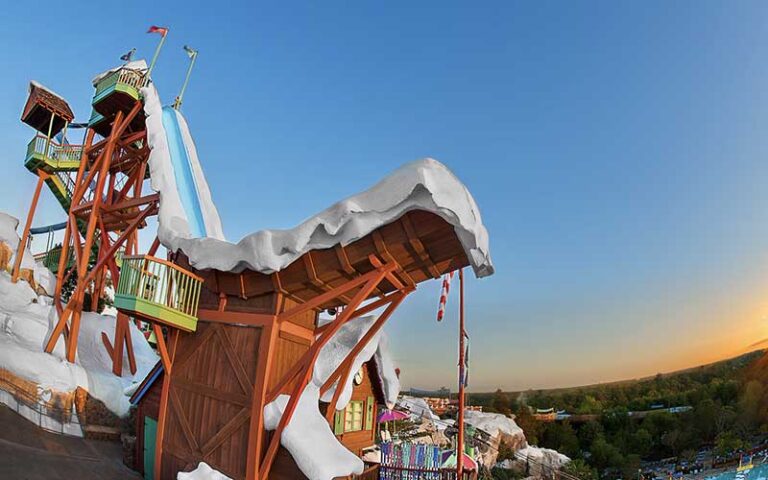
[392,416]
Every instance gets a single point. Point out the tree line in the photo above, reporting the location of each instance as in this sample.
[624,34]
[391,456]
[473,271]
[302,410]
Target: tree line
[728,412]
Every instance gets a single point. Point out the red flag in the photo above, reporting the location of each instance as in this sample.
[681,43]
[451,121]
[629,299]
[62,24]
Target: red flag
[161,30]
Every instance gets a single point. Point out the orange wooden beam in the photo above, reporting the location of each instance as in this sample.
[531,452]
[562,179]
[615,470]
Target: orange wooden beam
[173,337]
[308,360]
[317,301]
[255,429]
[41,177]
[350,358]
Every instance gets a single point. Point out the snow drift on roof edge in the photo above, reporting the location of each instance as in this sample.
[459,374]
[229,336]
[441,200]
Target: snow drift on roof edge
[421,185]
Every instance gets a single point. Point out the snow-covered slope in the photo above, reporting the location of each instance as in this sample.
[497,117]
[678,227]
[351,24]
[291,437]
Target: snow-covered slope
[26,321]
[308,437]
[492,423]
[9,236]
[421,185]
[25,324]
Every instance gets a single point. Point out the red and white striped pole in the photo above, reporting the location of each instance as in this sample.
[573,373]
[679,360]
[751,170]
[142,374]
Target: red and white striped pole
[444,295]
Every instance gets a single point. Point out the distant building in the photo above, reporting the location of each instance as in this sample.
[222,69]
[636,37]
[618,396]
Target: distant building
[545,414]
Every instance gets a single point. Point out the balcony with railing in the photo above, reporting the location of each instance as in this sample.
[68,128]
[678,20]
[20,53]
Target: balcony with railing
[159,291]
[52,257]
[118,91]
[52,156]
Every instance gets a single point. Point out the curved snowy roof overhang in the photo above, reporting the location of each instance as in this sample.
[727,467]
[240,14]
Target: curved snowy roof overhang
[421,186]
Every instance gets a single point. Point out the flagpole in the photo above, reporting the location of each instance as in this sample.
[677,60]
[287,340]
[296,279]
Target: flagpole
[177,103]
[157,53]
[460,440]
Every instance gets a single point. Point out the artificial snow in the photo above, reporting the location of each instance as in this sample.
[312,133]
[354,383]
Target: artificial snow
[8,235]
[310,440]
[385,366]
[138,65]
[492,423]
[26,321]
[202,472]
[34,83]
[308,437]
[173,222]
[417,407]
[541,461]
[421,185]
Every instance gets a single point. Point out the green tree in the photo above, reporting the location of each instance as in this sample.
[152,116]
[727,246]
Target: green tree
[500,402]
[588,405]
[581,470]
[605,455]
[531,427]
[727,443]
[641,442]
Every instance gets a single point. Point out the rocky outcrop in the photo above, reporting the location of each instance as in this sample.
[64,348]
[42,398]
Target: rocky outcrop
[531,461]
[497,430]
[541,462]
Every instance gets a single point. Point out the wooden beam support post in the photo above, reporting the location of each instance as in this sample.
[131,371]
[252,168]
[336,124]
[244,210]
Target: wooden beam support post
[22,247]
[308,362]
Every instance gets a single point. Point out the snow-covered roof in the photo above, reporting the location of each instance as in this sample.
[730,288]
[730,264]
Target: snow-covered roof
[139,65]
[420,185]
[492,423]
[36,84]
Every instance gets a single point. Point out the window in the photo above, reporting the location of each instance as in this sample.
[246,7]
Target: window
[353,418]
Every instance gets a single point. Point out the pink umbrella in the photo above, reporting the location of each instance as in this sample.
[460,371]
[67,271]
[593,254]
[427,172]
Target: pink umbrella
[392,416]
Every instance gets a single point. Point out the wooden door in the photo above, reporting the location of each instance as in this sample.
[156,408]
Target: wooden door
[150,435]
[209,400]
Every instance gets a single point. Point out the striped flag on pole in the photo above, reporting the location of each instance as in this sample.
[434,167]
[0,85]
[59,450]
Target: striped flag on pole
[444,295]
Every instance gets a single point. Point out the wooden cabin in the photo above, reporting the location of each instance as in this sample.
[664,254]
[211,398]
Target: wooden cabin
[45,111]
[355,426]
[257,336]
[118,91]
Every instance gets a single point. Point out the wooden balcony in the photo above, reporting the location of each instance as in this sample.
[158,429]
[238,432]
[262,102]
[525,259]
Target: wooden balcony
[118,92]
[158,291]
[51,156]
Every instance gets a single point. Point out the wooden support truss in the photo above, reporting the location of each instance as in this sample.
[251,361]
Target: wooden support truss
[357,290]
[106,211]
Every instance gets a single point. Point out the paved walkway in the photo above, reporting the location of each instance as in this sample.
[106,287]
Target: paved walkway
[30,453]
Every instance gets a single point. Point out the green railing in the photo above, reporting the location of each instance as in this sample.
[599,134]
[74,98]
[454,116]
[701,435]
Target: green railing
[158,290]
[53,256]
[64,156]
[121,78]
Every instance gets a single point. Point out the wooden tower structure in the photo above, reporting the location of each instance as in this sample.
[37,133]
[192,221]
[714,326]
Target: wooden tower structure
[99,184]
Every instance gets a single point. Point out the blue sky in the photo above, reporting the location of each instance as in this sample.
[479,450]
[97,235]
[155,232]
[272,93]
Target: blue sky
[617,152]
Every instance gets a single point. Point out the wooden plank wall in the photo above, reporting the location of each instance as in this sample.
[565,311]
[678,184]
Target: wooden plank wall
[289,348]
[210,396]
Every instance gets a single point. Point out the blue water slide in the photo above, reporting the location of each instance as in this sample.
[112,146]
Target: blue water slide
[48,228]
[185,177]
